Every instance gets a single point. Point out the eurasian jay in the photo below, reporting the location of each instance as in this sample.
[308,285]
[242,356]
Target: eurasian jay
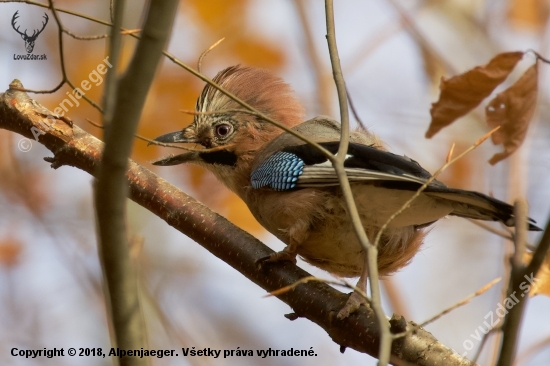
[293,191]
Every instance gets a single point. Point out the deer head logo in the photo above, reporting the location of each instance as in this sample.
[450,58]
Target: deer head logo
[29,40]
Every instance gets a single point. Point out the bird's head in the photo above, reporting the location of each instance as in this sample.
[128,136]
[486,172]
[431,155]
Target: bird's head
[231,137]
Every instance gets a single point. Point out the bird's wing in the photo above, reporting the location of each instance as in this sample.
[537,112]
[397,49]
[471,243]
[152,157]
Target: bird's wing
[304,166]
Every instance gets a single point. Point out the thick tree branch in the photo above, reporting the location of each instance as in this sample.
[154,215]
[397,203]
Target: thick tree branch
[315,301]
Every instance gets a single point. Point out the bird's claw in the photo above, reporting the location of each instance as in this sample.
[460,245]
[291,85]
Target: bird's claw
[352,305]
[276,257]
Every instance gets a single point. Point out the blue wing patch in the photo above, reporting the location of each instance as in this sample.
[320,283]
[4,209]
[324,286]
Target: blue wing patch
[280,172]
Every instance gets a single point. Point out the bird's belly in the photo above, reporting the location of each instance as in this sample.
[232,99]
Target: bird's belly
[317,221]
[337,252]
[333,245]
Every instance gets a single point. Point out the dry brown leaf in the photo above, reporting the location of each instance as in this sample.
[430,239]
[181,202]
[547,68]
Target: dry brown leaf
[462,93]
[541,283]
[513,109]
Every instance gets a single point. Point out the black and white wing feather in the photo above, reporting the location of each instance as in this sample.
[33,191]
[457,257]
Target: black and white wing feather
[303,166]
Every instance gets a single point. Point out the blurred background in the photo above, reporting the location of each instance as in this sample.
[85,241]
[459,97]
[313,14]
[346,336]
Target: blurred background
[393,54]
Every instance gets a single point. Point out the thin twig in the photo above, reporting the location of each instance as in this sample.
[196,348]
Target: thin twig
[152,142]
[220,111]
[462,302]
[128,32]
[430,180]
[538,56]
[340,282]
[502,233]
[316,67]
[199,62]
[395,297]
[371,251]
[484,340]
[354,111]
[386,32]
[420,38]
[85,38]
[483,225]
[91,102]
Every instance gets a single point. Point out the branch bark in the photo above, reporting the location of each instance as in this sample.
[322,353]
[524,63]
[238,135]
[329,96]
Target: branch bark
[315,301]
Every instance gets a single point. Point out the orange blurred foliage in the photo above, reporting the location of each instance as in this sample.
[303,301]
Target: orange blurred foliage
[460,173]
[528,13]
[242,44]
[10,251]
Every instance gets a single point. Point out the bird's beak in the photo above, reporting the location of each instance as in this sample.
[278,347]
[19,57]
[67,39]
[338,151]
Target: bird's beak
[190,156]
[176,137]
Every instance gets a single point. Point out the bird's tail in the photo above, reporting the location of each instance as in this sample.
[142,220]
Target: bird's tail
[478,206]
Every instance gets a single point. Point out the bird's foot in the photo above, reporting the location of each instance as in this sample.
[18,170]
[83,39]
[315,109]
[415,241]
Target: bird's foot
[352,305]
[277,257]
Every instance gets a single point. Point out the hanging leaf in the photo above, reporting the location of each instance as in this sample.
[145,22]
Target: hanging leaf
[513,109]
[462,93]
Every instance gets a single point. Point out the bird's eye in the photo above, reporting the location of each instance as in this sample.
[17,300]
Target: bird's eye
[223,130]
